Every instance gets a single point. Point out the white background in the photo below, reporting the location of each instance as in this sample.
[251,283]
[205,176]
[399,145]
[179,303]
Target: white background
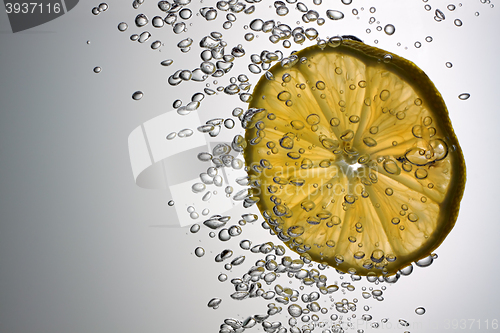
[81,249]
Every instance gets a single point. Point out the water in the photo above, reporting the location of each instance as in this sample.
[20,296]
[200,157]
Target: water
[261,276]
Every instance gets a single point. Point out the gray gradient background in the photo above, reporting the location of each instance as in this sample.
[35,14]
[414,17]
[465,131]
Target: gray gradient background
[78,248]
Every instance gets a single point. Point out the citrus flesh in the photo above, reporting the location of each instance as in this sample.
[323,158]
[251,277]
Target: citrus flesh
[352,158]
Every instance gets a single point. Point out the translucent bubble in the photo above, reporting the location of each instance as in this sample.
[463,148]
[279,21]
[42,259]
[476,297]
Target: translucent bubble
[403,323]
[214,303]
[222,277]
[424,262]
[122,26]
[185,133]
[141,20]
[464,96]
[137,95]
[458,22]
[157,22]
[449,65]
[256,25]
[282,10]
[334,14]
[167,62]
[246,244]
[346,2]
[171,203]
[229,123]
[254,69]
[144,37]
[198,187]
[97,69]
[418,44]
[249,37]
[155,45]
[439,16]
[194,228]
[164,5]
[185,13]
[199,252]
[179,27]
[224,235]
[420,310]
[295,310]
[211,15]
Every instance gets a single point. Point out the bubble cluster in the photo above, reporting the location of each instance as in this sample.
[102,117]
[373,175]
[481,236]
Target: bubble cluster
[322,296]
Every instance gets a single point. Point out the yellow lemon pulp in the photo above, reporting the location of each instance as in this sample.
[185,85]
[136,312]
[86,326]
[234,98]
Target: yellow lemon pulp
[352,158]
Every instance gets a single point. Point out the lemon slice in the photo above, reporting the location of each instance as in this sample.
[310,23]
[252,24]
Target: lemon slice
[352,158]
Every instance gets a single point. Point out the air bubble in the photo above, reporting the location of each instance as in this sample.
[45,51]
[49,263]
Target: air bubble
[214,303]
[122,26]
[334,14]
[464,96]
[137,95]
[141,20]
[420,311]
[199,252]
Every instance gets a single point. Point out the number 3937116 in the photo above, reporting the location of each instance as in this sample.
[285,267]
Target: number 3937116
[471,324]
[32,8]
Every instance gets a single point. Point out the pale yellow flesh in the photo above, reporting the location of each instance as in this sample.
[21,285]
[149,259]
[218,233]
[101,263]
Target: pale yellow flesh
[367,196]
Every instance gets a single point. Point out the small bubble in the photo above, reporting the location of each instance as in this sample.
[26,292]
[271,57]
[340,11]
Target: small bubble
[194,228]
[334,15]
[97,69]
[103,7]
[141,20]
[449,65]
[464,96]
[420,310]
[137,95]
[249,37]
[199,252]
[171,203]
[214,303]
[418,44]
[122,26]
[167,62]
[458,22]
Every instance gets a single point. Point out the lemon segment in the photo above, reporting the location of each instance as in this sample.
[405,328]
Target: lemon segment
[352,158]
